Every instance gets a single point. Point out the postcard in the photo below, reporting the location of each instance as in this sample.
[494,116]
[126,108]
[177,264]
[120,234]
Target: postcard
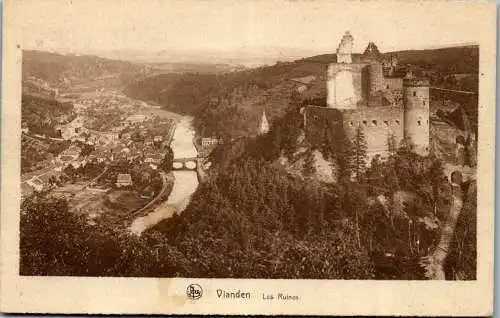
[252,157]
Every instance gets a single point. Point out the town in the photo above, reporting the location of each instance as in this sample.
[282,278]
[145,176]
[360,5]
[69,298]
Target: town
[109,154]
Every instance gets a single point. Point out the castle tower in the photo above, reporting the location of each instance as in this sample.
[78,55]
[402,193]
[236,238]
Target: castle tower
[341,93]
[344,51]
[416,112]
[264,124]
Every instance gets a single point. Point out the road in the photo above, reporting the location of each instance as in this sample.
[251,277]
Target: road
[434,263]
[157,197]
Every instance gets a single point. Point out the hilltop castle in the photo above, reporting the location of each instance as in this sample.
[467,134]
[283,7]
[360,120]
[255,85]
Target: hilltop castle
[367,94]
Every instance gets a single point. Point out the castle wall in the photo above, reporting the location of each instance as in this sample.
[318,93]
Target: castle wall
[378,124]
[346,85]
[393,88]
[376,77]
[393,83]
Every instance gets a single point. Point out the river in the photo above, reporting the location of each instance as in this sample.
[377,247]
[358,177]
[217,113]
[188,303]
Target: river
[185,183]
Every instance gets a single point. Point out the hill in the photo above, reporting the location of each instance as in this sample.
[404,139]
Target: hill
[156,68]
[452,60]
[40,115]
[230,104]
[58,69]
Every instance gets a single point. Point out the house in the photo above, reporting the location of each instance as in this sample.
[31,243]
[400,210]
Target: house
[78,163]
[123,180]
[303,83]
[153,157]
[134,119]
[70,154]
[158,139]
[36,184]
[71,129]
[112,135]
[207,142]
[148,141]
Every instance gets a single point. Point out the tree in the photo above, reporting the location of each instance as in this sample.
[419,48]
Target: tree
[407,145]
[391,143]
[345,158]
[166,163]
[309,167]
[87,149]
[360,149]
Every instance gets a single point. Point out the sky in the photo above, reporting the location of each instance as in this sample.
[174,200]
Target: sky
[238,27]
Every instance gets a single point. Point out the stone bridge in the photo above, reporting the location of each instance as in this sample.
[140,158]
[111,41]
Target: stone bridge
[457,174]
[184,163]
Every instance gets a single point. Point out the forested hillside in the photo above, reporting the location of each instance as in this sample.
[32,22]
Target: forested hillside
[452,60]
[252,219]
[55,68]
[41,115]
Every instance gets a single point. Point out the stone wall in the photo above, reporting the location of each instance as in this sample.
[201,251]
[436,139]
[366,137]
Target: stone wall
[347,85]
[376,77]
[378,124]
[393,89]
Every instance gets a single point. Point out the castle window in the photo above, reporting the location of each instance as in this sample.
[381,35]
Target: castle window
[386,123]
[387,87]
[364,122]
[414,93]
[397,122]
[351,124]
[374,122]
[424,102]
[419,123]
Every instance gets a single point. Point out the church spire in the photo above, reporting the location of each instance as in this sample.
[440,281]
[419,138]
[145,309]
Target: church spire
[264,124]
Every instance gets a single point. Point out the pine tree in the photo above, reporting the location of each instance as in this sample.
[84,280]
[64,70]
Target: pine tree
[345,158]
[391,143]
[360,149]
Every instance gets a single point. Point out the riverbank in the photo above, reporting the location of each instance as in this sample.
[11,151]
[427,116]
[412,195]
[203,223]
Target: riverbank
[185,182]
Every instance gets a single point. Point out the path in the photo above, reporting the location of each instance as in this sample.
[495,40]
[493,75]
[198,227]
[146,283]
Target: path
[453,90]
[96,178]
[157,197]
[434,263]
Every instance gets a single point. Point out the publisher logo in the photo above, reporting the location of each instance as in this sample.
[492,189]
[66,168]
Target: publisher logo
[194,291]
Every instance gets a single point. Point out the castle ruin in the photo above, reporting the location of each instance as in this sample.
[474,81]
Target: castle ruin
[366,94]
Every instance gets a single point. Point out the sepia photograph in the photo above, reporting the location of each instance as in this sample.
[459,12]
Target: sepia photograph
[221,141]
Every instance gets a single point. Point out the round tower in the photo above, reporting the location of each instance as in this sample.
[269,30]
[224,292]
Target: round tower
[416,113]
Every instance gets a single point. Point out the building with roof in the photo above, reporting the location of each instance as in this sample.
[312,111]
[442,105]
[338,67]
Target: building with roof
[123,180]
[36,184]
[361,95]
[209,141]
[135,119]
